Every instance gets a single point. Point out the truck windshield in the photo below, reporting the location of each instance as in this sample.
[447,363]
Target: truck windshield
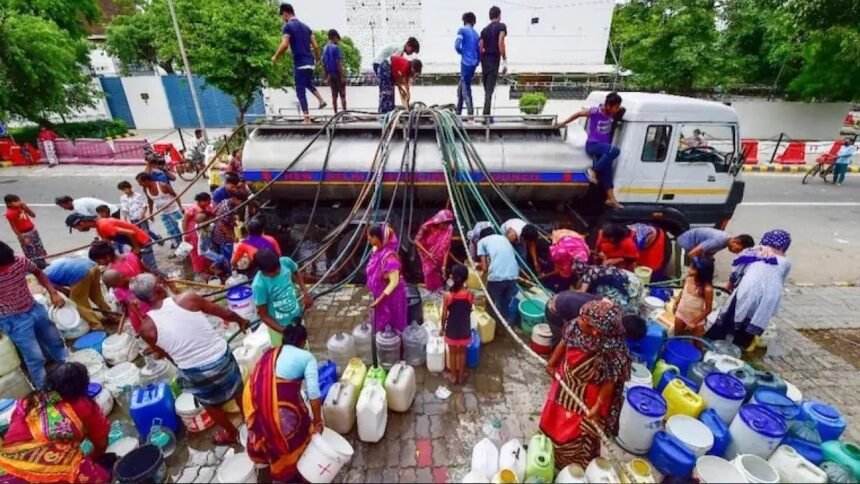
[709,143]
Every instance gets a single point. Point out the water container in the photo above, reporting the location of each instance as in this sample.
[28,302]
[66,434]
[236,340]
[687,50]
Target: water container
[162,437]
[355,374]
[473,351]
[101,396]
[810,451]
[532,313]
[830,423]
[756,430]
[94,362]
[485,324]
[637,471]
[670,456]
[723,363]
[659,368]
[436,354]
[793,467]
[143,464]
[755,469]
[719,429]
[485,459]
[600,470]
[572,474]
[541,339]
[121,380]
[777,402]
[540,459]
[341,349]
[362,336]
[767,379]
[157,371]
[512,456]
[711,469]
[327,371]
[68,321]
[648,347]
[388,347]
[92,340]
[153,402]
[14,385]
[845,454]
[123,446]
[371,412]
[237,468]
[376,373]
[670,375]
[415,344]
[693,433]
[746,375]
[837,474]
[327,453]
[246,359]
[9,360]
[681,354]
[699,371]
[793,392]
[194,417]
[119,348]
[414,307]
[400,387]
[639,377]
[641,417]
[681,400]
[240,300]
[432,314]
[121,429]
[339,409]
[723,393]
[475,478]
[505,476]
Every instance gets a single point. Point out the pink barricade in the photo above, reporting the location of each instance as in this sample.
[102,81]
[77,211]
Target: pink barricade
[65,151]
[94,151]
[128,152]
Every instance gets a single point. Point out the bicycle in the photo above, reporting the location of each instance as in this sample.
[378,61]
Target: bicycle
[189,168]
[820,168]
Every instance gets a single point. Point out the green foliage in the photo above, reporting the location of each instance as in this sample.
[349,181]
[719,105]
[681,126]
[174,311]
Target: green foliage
[67,14]
[90,129]
[831,71]
[132,40]
[532,103]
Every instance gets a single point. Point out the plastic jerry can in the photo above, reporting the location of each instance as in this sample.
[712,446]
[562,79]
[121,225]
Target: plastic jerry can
[637,471]
[659,368]
[338,409]
[681,400]
[512,456]
[400,387]
[572,474]
[722,437]
[362,336]
[371,412]
[485,459]
[375,373]
[809,450]
[648,347]
[793,467]
[355,373]
[505,476]
[600,470]
[327,377]
[341,349]
[151,402]
[540,459]
[845,454]
[436,354]
[415,344]
[473,351]
[485,325]
[670,456]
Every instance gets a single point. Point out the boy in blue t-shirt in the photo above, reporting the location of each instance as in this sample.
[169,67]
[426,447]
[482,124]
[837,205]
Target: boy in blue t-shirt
[333,64]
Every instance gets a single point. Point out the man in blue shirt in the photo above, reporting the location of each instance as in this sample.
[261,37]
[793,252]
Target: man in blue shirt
[80,279]
[333,63]
[843,159]
[299,38]
[467,46]
[499,261]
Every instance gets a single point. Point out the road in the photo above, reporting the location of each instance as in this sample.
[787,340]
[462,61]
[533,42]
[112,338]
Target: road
[821,218]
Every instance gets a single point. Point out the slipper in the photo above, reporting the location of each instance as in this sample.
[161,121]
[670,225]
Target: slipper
[592,176]
[223,438]
[323,105]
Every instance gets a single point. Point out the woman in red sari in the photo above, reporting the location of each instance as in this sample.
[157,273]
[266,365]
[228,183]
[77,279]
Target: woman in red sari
[594,362]
[47,428]
[616,245]
[433,241]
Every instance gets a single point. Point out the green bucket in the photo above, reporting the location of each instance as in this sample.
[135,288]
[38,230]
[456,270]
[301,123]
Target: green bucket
[531,314]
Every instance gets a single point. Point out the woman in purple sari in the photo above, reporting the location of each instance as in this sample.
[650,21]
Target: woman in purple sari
[383,279]
[243,256]
[433,241]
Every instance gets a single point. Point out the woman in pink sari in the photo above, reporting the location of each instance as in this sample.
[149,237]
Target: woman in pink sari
[434,244]
[384,279]
[203,203]
[567,247]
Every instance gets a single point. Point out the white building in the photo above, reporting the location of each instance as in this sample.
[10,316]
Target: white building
[544,36]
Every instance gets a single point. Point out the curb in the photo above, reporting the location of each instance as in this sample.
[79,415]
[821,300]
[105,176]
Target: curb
[126,135]
[792,169]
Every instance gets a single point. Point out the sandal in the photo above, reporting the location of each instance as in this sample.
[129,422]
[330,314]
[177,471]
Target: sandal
[222,437]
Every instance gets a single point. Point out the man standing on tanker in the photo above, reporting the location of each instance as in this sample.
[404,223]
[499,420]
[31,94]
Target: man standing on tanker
[299,38]
[601,120]
[493,53]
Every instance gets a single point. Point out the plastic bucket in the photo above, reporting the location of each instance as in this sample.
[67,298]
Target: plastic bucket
[777,402]
[755,469]
[240,300]
[143,464]
[724,393]
[122,379]
[641,416]
[639,377]
[68,321]
[531,314]
[237,468]
[711,469]
[756,430]
[644,274]
[693,433]
[324,457]
[91,341]
[193,416]
[119,348]
[102,398]
[94,362]
[681,354]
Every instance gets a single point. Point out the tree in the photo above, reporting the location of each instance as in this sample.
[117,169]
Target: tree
[67,14]
[831,70]
[668,44]
[42,66]
[132,40]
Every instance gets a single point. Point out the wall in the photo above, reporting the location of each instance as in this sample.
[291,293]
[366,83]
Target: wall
[153,113]
[800,121]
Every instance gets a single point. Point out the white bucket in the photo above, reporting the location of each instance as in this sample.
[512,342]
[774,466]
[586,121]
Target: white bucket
[651,306]
[755,469]
[237,467]
[721,398]
[119,348]
[756,430]
[246,357]
[105,401]
[324,457]
[240,300]
[94,362]
[695,435]
[793,467]
[123,446]
[122,378]
[68,321]
[183,250]
[9,360]
[572,474]
[641,417]
[640,376]
[193,416]
[711,469]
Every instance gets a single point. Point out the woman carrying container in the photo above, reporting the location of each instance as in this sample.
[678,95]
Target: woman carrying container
[593,361]
[279,425]
[433,242]
[384,279]
[43,443]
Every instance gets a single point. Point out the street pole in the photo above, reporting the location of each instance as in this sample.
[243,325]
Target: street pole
[187,68]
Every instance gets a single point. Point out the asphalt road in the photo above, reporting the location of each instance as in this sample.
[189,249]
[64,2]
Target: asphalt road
[821,218]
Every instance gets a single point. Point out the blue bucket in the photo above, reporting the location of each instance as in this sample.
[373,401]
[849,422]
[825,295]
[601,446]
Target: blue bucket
[92,340]
[681,354]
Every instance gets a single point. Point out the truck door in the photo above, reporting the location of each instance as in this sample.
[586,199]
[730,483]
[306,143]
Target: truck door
[698,169]
[645,153]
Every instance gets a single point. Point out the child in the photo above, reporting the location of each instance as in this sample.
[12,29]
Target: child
[132,207]
[219,265]
[333,63]
[696,299]
[20,217]
[457,322]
